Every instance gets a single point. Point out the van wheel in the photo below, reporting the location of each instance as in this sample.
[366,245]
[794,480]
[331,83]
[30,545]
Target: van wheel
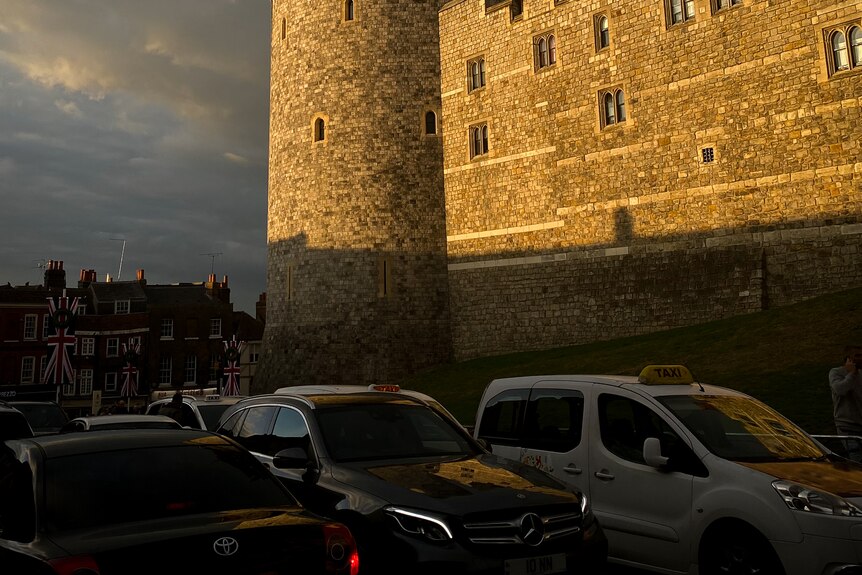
[739,551]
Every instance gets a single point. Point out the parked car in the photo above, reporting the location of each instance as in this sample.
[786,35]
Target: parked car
[120,421]
[420,495]
[199,413]
[13,424]
[156,501]
[684,477]
[44,416]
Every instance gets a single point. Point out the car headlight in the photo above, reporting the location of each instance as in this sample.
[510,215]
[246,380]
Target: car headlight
[803,498]
[421,524]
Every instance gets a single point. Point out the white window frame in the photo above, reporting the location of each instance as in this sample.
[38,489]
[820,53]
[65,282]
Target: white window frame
[69,389]
[215,327]
[191,370]
[111,382]
[43,364]
[253,352]
[88,346]
[166,330]
[85,381]
[46,325]
[122,307]
[112,347]
[28,369]
[166,368]
[30,326]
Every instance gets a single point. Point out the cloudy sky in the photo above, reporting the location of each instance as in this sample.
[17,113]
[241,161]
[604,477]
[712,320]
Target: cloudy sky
[142,120]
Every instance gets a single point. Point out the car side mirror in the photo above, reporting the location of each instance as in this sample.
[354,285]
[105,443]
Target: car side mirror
[291,458]
[652,453]
[485,444]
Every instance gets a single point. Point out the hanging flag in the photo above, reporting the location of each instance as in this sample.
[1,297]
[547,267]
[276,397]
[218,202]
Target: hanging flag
[130,371]
[61,341]
[232,350]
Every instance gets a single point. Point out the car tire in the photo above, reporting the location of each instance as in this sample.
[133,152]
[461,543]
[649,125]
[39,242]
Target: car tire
[740,550]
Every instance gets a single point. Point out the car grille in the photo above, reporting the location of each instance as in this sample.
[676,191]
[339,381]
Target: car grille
[523,528]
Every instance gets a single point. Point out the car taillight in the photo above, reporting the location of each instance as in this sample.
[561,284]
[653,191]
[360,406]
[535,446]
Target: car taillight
[75,565]
[342,556]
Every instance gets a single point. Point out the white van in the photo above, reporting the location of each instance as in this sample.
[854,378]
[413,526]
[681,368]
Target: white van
[684,477]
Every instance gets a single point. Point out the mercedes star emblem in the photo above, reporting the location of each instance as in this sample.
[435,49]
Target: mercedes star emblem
[532,529]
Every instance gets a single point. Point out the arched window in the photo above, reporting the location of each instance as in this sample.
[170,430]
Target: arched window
[604,33]
[348,10]
[839,51]
[621,106]
[475,73]
[609,108]
[856,45]
[552,50]
[542,47]
[478,140]
[430,122]
[319,130]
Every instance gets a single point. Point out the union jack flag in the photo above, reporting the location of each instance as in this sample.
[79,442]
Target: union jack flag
[130,372]
[232,349]
[58,370]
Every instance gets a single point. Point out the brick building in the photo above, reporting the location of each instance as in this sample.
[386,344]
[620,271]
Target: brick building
[602,169]
[178,331]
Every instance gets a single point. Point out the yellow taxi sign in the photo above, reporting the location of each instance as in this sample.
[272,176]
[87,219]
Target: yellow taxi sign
[384,387]
[666,375]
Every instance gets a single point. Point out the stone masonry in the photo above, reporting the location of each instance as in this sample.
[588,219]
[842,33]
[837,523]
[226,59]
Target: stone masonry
[727,182]
[733,183]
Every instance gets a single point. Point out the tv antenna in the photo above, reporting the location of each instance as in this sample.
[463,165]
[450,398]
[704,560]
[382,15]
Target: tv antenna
[122,253]
[212,256]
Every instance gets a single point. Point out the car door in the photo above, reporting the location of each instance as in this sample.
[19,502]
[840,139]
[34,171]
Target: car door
[645,512]
[553,433]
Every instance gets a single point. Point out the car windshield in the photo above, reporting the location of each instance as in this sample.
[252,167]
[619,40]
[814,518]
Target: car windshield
[109,488]
[742,429]
[43,416]
[374,431]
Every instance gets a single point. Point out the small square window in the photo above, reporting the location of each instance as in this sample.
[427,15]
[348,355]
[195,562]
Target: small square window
[121,307]
[707,155]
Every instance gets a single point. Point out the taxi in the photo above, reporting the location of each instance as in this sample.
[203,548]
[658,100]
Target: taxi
[684,477]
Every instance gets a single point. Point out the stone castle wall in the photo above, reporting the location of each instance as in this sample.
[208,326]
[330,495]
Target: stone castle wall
[357,278]
[567,231]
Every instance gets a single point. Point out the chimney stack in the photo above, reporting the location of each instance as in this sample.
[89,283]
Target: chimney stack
[141,279]
[55,275]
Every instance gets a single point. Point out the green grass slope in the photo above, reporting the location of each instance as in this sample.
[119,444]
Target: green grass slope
[781,356]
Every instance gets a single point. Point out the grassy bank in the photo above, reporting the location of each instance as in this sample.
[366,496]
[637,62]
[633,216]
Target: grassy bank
[781,356]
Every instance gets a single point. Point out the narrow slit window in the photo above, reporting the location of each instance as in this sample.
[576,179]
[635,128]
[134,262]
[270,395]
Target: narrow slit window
[430,123]
[319,130]
[348,10]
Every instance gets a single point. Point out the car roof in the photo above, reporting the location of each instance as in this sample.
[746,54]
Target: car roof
[620,381]
[95,420]
[317,397]
[59,445]
[327,390]
[211,399]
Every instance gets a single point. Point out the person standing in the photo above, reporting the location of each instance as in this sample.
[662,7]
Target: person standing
[846,384]
[174,408]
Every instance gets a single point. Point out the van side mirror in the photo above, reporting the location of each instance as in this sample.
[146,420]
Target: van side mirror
[652,453]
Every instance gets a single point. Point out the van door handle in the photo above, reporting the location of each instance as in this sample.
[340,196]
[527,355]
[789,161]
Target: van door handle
[604,475]
[572,469]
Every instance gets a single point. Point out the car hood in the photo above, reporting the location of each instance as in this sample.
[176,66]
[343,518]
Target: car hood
[842,478]
[456,486]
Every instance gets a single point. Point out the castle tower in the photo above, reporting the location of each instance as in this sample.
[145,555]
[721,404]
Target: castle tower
[357,272]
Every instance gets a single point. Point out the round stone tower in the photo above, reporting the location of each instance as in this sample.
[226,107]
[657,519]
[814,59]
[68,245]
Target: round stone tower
[357,273]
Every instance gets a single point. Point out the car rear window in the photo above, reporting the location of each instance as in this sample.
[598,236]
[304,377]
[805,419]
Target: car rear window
[148,483]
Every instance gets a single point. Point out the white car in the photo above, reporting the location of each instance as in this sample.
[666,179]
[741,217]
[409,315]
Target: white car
[198,412]
[118,422]
[684,477]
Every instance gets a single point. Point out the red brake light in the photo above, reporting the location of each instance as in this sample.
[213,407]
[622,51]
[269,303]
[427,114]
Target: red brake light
[342,556]
[75,565]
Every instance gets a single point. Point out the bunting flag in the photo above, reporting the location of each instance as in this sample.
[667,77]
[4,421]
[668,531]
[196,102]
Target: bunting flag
[130,371]
[61,341]
[232,350]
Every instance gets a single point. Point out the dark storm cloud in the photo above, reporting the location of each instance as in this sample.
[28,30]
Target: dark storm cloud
[142,120]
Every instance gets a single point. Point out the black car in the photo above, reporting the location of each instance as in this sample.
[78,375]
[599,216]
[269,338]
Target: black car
[13,424]
[420,495]
[155,501]
[44,416]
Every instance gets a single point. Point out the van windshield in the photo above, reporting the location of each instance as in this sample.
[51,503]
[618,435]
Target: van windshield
[742,428]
